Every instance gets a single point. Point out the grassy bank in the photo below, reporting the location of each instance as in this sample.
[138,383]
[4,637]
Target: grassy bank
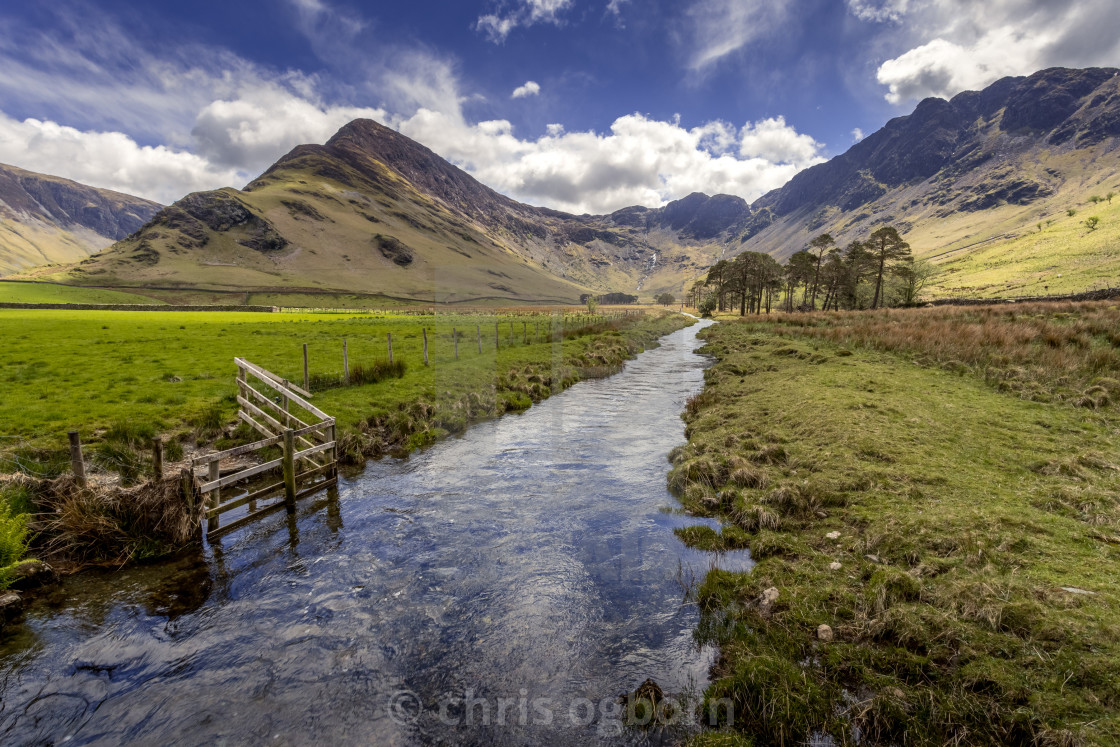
[120,378]
[960,539]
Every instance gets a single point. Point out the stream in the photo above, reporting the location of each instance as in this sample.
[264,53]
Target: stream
[502,587]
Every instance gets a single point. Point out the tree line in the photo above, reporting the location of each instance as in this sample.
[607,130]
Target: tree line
[874,273]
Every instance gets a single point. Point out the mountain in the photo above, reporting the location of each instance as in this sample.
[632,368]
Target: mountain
[982,184]
[46,219]
[372,212]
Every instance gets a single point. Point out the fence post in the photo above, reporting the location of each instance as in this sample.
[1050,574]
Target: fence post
[76,462]
[511,333]
[186,477]
[345,361]
[306,376]
[497,337]
[215,496]
[290,469]
[157,458]
[329,431]
[425,331]
[286,403]
[455,336]
[390,347]
[524,333]
[478,329]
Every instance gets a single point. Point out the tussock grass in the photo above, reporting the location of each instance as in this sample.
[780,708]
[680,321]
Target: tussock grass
[1041,351]
[931,519]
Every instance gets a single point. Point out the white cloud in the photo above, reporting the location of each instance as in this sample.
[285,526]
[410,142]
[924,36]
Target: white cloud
[531,88]
[203,118]
[857,135]
[720,27]
[614,7]
[641,161]
[251,131]
[497,26]
[110,160]
[878,11]
[774,140]
[958,45]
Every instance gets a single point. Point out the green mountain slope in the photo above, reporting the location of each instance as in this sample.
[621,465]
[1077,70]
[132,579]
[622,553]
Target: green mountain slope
[47,219]
[969,181]
[373,212]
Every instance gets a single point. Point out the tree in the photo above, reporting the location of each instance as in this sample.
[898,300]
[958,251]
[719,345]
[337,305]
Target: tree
[1109,197]
[886,247]
[717,280]
[666,298]
[1091,222]
[592,304]
[832,276]
[858,262]
[1095,199]
[799,271]
[695,293]
[914,274]
[708,304]
[819,246]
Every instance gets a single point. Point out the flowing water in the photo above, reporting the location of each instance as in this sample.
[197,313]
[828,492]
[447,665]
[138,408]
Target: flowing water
[504,587]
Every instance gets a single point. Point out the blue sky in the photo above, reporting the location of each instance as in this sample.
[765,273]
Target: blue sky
[582,105]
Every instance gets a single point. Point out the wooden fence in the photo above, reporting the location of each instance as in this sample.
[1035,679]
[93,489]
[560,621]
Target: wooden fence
[306,434]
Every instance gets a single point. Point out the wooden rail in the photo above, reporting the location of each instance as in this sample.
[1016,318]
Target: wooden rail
[266,406]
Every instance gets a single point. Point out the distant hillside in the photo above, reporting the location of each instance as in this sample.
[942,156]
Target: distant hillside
[373,212]
[981,184]
[46,219]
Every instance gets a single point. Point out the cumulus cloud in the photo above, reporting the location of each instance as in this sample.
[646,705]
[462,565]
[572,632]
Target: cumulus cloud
[110,160]
[857,135]
[249,132]
[773,140]
[958,45]
[641,161]
[498,25]
[531,88]
[162,123]
[720,27]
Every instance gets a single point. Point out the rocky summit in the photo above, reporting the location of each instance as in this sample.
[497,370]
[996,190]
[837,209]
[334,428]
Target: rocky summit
[986,167]
[374,213]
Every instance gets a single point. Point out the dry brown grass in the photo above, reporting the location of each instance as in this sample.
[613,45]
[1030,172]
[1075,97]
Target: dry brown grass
[105,523]
[1063,351]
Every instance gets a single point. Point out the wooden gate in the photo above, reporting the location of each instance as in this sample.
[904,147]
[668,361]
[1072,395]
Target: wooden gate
[282,413]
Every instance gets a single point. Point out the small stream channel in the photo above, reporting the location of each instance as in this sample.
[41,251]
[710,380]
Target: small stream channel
[504,587]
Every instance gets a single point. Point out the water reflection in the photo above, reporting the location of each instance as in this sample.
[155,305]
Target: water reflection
[505,587]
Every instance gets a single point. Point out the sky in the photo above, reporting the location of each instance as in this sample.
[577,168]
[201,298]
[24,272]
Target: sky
[578,105]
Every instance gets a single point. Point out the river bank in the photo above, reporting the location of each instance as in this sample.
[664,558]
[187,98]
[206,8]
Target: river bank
[45,515]
[505,586]
[937,553]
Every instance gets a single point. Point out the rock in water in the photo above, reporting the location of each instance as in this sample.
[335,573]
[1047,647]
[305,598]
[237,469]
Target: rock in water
[11,605]
[32,574]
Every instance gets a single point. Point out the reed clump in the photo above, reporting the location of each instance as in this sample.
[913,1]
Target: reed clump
[1060,351]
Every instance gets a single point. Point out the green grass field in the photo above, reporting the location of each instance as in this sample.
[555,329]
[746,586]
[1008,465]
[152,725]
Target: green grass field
[53,293]
[87,370]
[961,541]
[122,377]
